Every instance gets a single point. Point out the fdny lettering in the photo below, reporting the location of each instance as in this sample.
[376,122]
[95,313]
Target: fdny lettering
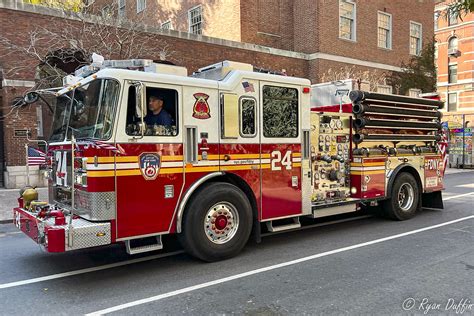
[201,108]
[149,165]
[431,164]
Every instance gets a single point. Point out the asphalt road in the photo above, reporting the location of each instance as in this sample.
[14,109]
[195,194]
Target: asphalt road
[364,266]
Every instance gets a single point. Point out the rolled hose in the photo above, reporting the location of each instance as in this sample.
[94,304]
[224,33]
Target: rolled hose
[368,123]
[359,138]
[361,109]
[358,96]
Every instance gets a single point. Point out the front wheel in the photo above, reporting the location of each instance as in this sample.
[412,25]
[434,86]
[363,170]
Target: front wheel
[405,198]
[217,222]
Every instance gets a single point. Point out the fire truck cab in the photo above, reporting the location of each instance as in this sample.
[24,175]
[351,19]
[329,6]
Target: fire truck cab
[136,155]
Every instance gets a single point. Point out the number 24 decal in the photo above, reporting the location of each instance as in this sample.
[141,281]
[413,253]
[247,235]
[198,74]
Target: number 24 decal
[278,162]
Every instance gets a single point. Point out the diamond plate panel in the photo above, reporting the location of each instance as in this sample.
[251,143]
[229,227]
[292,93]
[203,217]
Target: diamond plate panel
[86,234]
[97,206]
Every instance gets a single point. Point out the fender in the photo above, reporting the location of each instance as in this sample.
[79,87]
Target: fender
[187,195]
[393,175]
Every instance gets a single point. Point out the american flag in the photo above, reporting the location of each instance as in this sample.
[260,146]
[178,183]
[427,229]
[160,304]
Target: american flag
[96,144]
[36,157]
[248,87]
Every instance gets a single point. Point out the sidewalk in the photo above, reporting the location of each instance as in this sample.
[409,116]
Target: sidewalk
[8,200]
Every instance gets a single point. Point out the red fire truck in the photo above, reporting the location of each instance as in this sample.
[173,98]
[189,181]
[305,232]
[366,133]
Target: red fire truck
[140,150]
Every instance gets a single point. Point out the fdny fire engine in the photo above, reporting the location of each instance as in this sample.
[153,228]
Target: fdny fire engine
[140,150]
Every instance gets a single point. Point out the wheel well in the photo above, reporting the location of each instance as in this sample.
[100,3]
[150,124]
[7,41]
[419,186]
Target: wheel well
[241,184]
[238,182]
[404,168]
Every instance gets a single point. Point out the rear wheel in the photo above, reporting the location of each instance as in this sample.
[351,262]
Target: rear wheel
[217,222]
[405,198]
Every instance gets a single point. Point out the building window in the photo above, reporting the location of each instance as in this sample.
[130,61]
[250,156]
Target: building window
[347,20]
[141,5]
[280,112]
[453,43]
[452,102]
[384,89]
[121,8]
[161,117]
[414,93]
[166,25]
[248,117]
[195,20]
[452,19]
[384,32]
[415,38]
[436,20]
[453,73]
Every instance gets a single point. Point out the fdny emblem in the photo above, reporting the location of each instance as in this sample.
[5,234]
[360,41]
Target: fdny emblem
[149,165]
[201,108]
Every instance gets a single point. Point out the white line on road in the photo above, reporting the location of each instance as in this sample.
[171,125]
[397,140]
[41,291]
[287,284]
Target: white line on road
[127,262]
[469,185]
[87,270]
[457,196]
[269,268]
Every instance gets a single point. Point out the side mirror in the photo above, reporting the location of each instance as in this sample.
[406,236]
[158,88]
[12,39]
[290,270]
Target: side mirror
[140,109]
[31,97]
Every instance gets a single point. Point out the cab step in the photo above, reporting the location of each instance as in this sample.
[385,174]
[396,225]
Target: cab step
[274,226]
[155,245]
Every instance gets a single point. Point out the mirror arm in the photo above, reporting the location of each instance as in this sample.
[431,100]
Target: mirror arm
[47,103]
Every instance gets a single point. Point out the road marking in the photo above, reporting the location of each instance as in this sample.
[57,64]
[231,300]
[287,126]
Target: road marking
[269,268]
[87,270]
[457,196]
[123,263]
[469,185]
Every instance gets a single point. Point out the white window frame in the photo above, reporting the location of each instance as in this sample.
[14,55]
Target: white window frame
[384,87]
[453,16]
[453,38]
[354,19]
[449,72]
[420,46]
[121,8]
[166,22]
[414,92]
[389,39]
[190,25]
[447,101]
[141,9]
[436,17]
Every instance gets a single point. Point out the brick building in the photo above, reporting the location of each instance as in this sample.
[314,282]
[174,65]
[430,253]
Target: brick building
[455,64]
[307,38]
[455,59]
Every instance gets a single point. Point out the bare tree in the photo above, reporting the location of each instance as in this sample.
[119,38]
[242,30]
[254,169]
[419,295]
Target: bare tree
[371,79]
[68,43]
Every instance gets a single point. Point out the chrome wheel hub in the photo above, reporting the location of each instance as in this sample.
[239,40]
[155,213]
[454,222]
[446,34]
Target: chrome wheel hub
[406,196]
[221,222]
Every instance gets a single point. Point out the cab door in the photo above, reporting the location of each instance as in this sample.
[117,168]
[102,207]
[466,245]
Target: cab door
[281,151]
[149,172]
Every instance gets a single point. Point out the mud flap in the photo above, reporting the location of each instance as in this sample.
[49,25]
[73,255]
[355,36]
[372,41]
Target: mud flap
[432,200]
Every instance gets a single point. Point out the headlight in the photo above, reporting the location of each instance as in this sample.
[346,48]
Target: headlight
[81,179]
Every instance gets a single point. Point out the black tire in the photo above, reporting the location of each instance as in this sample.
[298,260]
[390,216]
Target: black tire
[405,198]
[201,208]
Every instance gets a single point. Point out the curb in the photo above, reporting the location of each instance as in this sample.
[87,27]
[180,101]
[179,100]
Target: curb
[6,221]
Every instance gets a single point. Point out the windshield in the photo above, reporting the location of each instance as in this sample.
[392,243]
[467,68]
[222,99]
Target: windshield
[87,111]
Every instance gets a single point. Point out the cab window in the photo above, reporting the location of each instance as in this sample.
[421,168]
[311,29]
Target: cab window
[247,117]
[161,117]
[280,112]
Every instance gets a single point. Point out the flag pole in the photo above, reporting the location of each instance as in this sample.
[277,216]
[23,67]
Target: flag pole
[27,166]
